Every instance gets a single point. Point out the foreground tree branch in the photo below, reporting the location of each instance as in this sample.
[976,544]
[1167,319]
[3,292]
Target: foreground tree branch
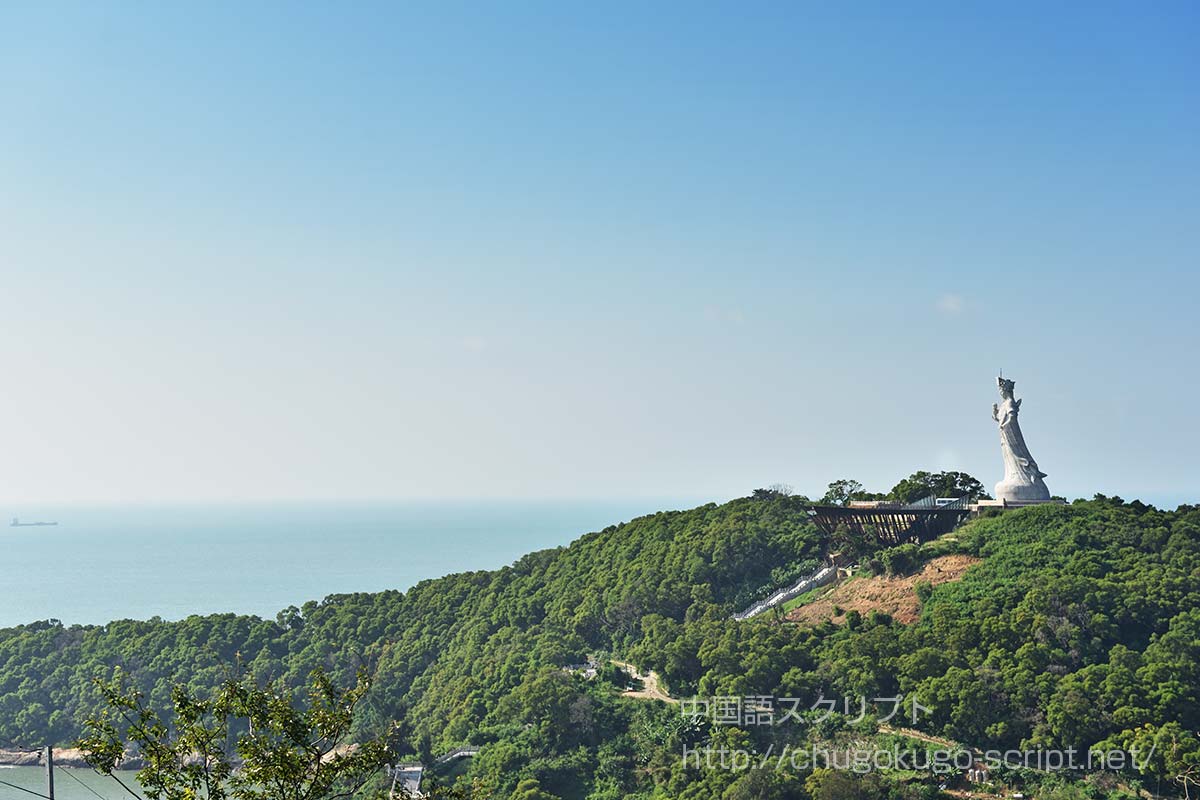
[243,743]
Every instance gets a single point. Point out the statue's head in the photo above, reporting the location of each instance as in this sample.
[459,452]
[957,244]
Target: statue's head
[1006,386]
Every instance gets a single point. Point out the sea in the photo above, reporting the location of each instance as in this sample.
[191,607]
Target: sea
[107,563]
[69,784]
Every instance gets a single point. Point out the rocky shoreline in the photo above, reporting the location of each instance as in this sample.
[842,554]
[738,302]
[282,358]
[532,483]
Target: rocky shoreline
[66,756]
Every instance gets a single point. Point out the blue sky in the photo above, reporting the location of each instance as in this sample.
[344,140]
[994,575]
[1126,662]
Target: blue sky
[388,251]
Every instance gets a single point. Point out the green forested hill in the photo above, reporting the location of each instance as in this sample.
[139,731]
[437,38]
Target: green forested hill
[1081,625]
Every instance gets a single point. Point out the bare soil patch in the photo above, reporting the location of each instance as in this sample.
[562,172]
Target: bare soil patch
[650,687]
[895,596]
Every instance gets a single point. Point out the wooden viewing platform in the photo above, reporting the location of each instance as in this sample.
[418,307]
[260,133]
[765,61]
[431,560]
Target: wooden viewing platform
[893,522]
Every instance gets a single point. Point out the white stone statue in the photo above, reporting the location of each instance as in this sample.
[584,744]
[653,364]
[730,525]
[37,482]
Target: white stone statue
[1022,479]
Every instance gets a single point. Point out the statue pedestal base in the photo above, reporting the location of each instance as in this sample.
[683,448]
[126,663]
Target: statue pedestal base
[1006,505]
[1014,492]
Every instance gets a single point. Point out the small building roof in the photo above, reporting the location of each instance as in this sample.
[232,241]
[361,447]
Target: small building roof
[406,780]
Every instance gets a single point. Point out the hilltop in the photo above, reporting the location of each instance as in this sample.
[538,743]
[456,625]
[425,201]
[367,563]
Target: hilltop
[1079,625]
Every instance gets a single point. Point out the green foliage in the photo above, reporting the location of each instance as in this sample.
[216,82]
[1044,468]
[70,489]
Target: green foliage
[916,486]
[530,789]
[937,484]
[924,590]
[283,752]
[841,492]
[900,560]
[851,543]
[1167,752]
[1079,627]
[832,784]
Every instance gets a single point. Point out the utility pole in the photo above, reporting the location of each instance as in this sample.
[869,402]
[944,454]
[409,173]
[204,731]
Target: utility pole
[50,772]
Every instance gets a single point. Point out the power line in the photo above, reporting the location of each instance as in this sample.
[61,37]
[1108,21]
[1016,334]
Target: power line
[123,786]
[75,778]
[23,789]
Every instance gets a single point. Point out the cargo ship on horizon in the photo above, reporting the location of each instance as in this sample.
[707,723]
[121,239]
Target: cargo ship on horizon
[16,523]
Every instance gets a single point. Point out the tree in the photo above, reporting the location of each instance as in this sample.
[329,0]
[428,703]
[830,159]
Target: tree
[1167,751]
[842,491]
[901,559]
[1082,621]
[243,742]
[834,784]
[530,789]
[851,543]
[937,484]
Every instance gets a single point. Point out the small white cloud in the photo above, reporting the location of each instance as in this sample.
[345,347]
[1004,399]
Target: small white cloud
[951,304]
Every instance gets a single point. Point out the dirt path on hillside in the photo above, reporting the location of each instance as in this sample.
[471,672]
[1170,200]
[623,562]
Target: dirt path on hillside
[895,596]
[924,737]
[650,687]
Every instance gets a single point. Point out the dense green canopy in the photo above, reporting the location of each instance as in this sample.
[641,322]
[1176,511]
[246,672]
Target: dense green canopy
[1081,625]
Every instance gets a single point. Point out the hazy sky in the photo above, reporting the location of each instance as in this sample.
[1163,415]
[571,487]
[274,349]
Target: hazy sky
[320,251]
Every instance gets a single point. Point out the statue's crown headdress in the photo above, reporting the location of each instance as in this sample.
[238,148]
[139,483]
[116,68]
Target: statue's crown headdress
[1005,384]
